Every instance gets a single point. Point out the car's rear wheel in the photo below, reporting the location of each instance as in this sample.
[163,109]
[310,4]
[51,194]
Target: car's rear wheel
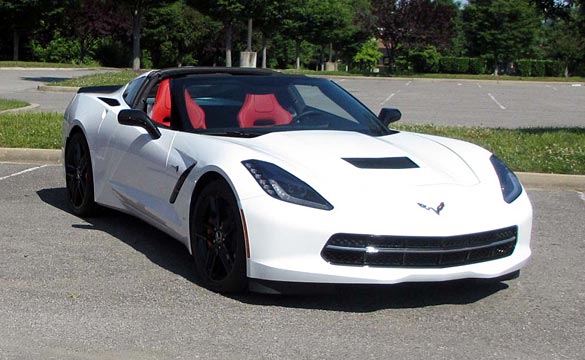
[79,176]
[217,239]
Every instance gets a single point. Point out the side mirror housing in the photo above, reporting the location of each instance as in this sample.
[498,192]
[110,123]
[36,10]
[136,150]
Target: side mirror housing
[132,117]
[389,115]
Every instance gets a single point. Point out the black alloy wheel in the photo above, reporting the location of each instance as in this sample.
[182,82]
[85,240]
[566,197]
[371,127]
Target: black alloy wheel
[79,176]
[217,240]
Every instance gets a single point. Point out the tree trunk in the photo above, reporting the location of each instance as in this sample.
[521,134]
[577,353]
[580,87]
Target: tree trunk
[330,52]
[264,60]
[298,67]
[249,44]
[228,45]
[136,29]
[16,44]
[567,70]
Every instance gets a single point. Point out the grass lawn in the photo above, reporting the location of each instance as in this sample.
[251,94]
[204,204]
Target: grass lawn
[544,150]
[32,64]
[31,130]
[438,76]
[12,104]
[111,78]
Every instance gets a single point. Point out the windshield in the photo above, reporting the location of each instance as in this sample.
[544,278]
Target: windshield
[256,105]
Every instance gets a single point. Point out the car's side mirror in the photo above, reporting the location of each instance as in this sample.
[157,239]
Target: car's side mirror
[389,115]
[134,117]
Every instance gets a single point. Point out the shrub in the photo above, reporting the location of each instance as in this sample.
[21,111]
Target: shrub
[553,68]
[476,66]
[425,61]
[524,67]
[538,68]
[454,65]
[58,50]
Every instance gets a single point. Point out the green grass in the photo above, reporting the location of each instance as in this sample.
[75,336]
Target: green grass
[437,76]
[12,104]
[110,78]
[542,150]
[32,64]
[31,130]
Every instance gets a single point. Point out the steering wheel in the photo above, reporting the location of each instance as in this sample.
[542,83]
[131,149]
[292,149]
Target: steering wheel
[302,116]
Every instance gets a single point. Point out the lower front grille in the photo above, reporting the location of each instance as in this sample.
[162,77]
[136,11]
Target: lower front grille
[425,252]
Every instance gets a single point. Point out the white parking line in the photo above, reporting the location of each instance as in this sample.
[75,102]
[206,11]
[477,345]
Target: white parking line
[22,172]
[408,83]
[581,195]
[497,102]
[478,85]
[387,99]
[552,87]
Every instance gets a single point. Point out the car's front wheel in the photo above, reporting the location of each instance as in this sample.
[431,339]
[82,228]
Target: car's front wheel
[79,176]
[217,239]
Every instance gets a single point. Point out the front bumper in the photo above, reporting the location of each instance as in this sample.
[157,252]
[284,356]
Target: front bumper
[286,242]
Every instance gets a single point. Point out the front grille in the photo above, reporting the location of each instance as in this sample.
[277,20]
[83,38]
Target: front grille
[425,252]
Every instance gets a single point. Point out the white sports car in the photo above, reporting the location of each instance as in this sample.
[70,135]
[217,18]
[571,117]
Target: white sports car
[270,179]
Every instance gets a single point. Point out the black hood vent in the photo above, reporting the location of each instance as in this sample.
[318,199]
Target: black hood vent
[382,163]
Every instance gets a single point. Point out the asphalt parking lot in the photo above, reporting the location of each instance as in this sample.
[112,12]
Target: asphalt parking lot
[113,287]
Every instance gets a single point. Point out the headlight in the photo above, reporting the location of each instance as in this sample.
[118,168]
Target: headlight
[284,186]
[509,183]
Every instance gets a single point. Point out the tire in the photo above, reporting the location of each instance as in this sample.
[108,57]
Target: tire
[79,177]
[217,240]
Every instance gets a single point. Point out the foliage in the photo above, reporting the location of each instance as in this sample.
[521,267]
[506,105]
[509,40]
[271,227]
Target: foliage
[454,65]
[368,55]
[58,50]
[503,29]
[425,60]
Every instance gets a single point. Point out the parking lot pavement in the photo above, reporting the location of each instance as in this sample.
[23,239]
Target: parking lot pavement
[112,287]
[474,103]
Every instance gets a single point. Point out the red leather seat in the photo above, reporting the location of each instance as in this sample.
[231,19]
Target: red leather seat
[194,112]
[161,111]
[262,110]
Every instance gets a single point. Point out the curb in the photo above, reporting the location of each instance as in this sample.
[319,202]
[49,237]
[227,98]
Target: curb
[537,181]
[65,89]
[28,107]
[532,181]
[36,156]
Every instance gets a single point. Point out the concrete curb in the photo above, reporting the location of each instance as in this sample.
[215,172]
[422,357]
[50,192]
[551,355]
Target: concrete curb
[35,156]
[531,181]
[26,108]
[66,89]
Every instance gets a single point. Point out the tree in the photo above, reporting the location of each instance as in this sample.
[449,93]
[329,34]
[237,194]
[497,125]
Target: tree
[368,55]
[505,30]
[228,12]
[19,16]
[564,41]
[414,24]
[176,34]
[137,9]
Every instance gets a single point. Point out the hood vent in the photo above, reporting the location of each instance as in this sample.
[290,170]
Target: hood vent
[382,163]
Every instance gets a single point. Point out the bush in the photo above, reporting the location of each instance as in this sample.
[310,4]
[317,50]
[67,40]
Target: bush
[113,53]
[538,68]
[553,68]
[477,66]
[524,67]
[58,50]
[454,65]
[425,61]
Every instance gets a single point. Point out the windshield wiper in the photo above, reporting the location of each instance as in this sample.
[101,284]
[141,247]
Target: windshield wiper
[233,133]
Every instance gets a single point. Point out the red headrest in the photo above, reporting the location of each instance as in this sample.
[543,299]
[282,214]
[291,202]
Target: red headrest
[262,110]
[161,111]
[194,112]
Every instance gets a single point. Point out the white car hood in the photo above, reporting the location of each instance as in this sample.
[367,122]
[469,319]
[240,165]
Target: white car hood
[322,154]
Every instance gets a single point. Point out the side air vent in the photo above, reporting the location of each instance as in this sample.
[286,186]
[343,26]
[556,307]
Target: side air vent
[382,163]
[109,101]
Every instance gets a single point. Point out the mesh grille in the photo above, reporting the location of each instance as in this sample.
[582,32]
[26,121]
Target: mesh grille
[437,252]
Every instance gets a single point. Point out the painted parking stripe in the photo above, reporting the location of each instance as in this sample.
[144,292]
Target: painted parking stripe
[22,172]
[497,102]
[387,99]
